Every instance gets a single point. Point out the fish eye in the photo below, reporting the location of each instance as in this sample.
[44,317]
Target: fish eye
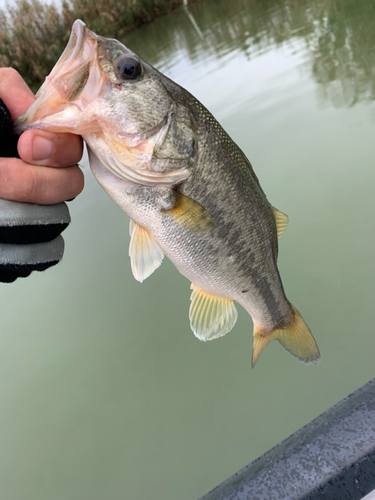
[128,68]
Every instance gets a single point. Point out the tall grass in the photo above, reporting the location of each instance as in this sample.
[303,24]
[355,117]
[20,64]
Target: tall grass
[33,34]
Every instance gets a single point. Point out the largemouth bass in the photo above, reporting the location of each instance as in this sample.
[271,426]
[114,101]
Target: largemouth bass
[189,190]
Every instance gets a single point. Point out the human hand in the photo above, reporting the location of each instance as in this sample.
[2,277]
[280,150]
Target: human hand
[32,185]
[47,170]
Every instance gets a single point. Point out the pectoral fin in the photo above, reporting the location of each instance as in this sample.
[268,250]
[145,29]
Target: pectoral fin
[189,213]
[145,254]
[211,317]
[281,221]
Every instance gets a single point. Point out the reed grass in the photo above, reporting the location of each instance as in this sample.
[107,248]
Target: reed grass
[33,34]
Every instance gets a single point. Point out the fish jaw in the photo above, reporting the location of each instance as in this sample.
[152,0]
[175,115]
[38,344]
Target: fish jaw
[75,84]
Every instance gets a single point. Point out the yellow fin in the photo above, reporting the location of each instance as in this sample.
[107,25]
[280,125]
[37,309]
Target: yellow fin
[211,317]
[190,213]
[281,221]
[295,337]
[145,254]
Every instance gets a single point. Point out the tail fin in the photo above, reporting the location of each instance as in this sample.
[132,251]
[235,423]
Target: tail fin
[295,337]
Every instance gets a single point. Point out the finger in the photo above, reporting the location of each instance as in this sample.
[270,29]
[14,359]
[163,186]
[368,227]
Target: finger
[15,92]
[39,147]
[20,181]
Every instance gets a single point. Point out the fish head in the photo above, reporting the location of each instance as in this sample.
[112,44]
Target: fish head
[118,103]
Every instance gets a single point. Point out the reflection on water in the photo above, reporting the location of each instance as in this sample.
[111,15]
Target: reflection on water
[193,22]
[343,52]
[105,392]
[338,36]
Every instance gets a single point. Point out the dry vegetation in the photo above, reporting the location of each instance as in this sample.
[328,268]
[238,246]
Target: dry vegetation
[33,34]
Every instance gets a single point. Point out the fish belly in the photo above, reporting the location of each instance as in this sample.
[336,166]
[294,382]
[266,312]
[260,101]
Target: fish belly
[220,269]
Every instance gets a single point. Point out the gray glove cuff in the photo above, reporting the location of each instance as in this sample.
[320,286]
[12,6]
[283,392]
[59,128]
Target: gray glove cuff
[25,223]
[13,213]
[33,254]
[30,237]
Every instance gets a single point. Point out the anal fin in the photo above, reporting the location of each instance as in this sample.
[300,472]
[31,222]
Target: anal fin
[145,254]
[210,316]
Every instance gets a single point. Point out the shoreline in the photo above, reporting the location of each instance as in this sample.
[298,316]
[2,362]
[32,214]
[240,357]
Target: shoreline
[34,34]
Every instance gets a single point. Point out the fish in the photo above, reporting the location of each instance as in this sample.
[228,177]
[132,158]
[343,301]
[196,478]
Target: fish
[189,190]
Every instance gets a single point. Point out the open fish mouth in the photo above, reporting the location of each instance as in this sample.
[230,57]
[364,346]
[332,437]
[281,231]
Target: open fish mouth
[74,81]
[74,98]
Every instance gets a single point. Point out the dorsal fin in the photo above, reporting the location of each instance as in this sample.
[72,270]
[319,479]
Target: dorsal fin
[281,221]
[210,316]
[145,254]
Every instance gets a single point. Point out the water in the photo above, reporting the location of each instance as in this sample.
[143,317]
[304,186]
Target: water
[104,390]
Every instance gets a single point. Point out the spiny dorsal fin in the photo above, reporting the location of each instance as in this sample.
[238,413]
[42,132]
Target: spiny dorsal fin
[295,338]
[211,317]
[145,254]
[281,221]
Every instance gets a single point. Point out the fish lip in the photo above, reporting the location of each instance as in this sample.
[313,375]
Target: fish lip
[74,50]
[78,31]
[76,57]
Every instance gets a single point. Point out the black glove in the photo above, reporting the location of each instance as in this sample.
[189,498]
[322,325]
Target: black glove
[29,234]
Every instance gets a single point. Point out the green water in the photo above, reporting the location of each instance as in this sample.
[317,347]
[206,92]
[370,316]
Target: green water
[105,393]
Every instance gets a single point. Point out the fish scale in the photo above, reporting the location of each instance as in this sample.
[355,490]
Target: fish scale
[189,190]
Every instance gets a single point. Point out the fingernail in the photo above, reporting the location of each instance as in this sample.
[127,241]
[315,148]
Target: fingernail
[42,148]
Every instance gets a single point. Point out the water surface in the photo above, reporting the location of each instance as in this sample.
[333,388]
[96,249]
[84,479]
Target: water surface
[104,390]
